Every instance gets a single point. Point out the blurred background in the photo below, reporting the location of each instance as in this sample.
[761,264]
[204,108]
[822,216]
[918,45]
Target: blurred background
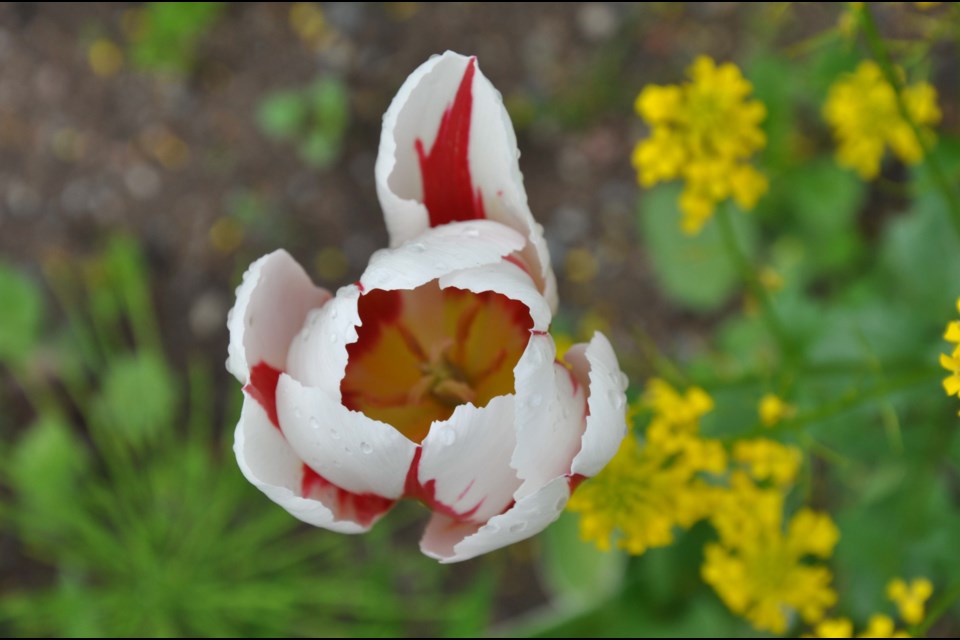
[150,152]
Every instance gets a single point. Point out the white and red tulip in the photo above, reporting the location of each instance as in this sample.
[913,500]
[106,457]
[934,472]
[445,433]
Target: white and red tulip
[434,376]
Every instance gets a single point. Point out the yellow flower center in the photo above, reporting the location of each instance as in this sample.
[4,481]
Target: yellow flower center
[421,353]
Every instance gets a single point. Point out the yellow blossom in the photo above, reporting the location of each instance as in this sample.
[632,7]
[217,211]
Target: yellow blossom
[952,362]
[773,409]
[862,110]
[650,489]
[833,628]
[767,460]
[910,598]
[758,570]
[703,132]
[881,626]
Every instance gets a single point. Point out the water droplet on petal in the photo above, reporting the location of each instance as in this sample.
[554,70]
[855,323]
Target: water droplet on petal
[332,337]
[297,413]
[347,450]
[471,232]
[365,447]
[518,527]
[560,504]
[250,320]
[314,423]
[334,313]
[334,434]
[490,528]
[447,436]
[418,247]
[535,401]
[624,381]
[616,399]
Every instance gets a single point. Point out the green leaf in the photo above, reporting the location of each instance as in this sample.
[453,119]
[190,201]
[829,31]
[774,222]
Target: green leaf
[694,271]
[576,572]
[282,114]
[824,201]
[138,398]
[45,465]
[20,317]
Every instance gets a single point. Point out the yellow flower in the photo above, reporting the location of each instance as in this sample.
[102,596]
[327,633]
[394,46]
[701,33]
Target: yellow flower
[761,572]
[649,489]
[881,626]
[952,362]
[767,460]
[861,108]
[910,598]
[833,628]
[773,409]
[703,132]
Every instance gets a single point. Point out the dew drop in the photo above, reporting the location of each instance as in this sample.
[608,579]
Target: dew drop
[560,504]
[518,527]
[470,232]
[616,399]
[334,313]
[250,320]
[447,436]
[314,423]
[623,380]
[332,337]
[366,448]
[347,450]
[418,247]
[535,400]
[334,434]
[297,413]
[490,528]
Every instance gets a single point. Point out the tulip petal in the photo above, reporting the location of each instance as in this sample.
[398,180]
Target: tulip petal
[595,365]
[506,279]
[550,416]
[346,447]
[449,540]
[447,110]
[437,252]
[269,463]
[465,464]
[272,302]
[318,354]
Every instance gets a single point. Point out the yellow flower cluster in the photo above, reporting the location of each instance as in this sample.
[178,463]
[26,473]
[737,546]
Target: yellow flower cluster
[703,131]
[759,568]
[647,490]
[862,109]
[910,600]
[952,362]
[773,410]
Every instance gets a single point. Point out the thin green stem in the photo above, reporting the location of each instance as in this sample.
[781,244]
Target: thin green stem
[750,278]
[843,404]
[878,49]
[941,606]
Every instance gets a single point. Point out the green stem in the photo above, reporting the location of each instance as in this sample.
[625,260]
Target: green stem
[940,607]
[843,404]
[878,50]
[750,278]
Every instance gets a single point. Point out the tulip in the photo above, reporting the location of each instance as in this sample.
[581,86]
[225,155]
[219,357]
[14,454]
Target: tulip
[434,376]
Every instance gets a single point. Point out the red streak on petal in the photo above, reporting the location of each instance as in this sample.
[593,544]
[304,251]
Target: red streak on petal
[574,480]
[448,191]
[359,286]
[426,492]
[514,260]
[537,332]
[363,508]
[262,387]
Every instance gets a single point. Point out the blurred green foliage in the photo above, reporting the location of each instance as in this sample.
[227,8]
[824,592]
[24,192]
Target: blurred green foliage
[129,505]
[165,35]
[315,119]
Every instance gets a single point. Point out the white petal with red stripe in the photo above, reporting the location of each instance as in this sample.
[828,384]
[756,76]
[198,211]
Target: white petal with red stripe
[357,453]
[595,364]
[466,460]
[447,153]
[550,417]
[448,540]
[507,279]
[272,302]
[267,461]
